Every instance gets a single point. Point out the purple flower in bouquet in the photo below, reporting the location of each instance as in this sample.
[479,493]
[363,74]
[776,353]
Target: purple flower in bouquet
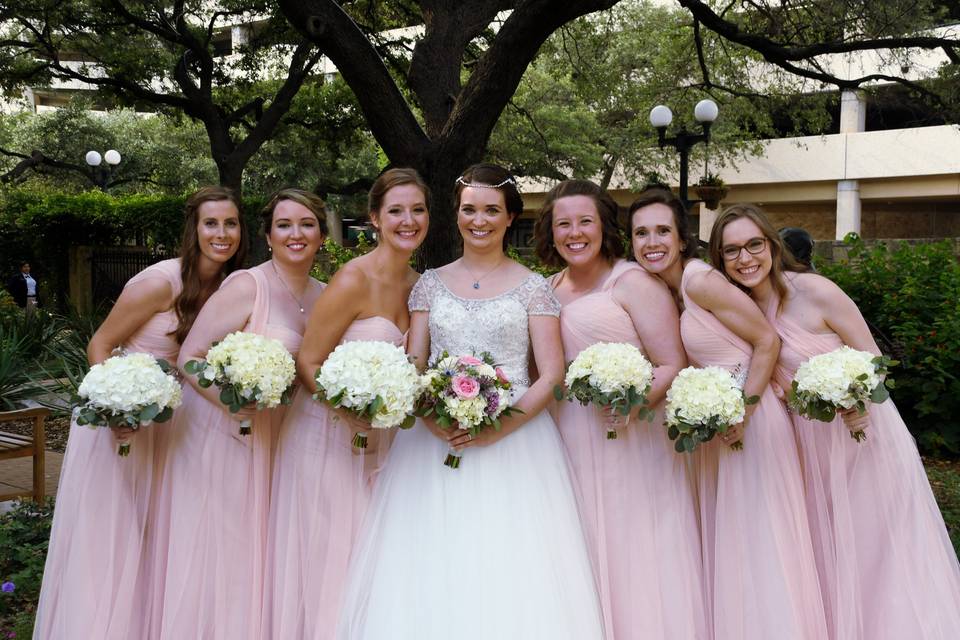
[8,587]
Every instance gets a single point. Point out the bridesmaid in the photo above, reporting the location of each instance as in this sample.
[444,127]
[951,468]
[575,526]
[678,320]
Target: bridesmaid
[636,500]
[97,573]
[887,567]
[321,484]
[759,568]
[216,483]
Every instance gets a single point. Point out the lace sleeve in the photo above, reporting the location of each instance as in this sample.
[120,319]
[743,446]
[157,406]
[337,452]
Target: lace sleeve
[541,300]
[421,294]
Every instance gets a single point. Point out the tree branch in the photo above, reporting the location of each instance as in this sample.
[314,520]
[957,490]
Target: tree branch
[390,119]
[776,52]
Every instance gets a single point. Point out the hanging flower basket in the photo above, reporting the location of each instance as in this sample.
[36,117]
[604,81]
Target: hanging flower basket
[711,195]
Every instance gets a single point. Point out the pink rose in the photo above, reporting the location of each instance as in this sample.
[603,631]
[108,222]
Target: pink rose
[470,361]
[501,376]
[466,387]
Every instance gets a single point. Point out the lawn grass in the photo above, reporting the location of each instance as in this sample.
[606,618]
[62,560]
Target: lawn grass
[944,477]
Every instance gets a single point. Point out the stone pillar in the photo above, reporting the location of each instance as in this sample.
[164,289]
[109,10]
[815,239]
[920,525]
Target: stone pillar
[707,218]
[848,208]
[853,113]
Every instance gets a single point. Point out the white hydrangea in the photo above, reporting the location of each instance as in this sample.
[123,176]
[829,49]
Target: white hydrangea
[250,361]
[702,395]
[611,367]
[837,377]
[128,383]
[359,372]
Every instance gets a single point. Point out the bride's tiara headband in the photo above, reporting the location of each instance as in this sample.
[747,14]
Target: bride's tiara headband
[508,180]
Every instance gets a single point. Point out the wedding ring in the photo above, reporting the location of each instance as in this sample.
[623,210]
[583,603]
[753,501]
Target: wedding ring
[469,436]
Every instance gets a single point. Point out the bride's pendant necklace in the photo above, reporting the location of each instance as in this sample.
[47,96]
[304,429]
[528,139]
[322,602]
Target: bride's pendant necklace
[299,301]
[476,280]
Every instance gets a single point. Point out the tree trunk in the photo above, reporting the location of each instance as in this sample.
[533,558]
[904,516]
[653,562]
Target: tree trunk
[443,243]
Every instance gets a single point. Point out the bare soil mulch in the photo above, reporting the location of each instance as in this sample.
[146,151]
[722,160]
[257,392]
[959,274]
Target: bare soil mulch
[55,429]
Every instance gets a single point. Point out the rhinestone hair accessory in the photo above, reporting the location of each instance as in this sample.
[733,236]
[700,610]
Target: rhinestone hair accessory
[508,180]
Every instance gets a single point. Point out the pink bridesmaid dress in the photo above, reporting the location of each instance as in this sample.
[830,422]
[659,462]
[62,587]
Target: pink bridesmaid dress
[215,499]
[98,575]
[887,568]
[636,499]
[321,489]
[758,556]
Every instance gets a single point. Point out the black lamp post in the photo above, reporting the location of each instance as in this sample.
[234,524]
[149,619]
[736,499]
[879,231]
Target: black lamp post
[101,174]
[705,113]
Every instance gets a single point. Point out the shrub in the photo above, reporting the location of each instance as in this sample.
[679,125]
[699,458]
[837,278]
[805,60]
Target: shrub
[24,535]
[911,297]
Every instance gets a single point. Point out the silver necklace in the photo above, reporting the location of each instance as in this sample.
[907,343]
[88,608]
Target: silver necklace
[299,301]
[476,280]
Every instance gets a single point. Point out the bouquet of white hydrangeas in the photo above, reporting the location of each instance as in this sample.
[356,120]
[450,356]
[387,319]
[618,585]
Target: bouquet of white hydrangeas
[842,379]
[609,374]
[465,391]
[373,379]
[702,403]
[129,390]
[247,367]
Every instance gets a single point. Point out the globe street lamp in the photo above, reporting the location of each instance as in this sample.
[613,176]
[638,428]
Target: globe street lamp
[705,113]
[101,174]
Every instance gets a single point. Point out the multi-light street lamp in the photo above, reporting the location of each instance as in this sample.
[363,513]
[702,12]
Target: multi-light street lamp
[100,173]
[705,113]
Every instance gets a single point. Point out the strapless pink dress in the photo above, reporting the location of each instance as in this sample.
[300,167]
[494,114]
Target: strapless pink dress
[98,576]
[887,568]
[758,556]
[215,497]
[321,489]
[635,496]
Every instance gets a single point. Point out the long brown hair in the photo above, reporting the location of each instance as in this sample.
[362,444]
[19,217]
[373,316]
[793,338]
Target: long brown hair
[781,259]
[612,246]
[188,303]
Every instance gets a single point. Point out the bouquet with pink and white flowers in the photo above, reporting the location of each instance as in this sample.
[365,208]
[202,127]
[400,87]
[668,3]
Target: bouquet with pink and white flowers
[465,392]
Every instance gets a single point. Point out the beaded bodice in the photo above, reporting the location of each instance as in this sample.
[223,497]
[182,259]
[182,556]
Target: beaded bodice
[498,325]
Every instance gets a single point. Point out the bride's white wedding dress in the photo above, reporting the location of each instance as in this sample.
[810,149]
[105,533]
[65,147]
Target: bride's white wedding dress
[493,550]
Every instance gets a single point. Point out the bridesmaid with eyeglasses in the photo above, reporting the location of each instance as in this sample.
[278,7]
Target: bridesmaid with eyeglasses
[757,551]
[887,567]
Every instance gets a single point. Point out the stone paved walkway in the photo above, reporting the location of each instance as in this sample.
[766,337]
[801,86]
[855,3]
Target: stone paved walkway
[17,474]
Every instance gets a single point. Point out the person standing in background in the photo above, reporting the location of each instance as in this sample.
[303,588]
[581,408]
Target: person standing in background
[23,288]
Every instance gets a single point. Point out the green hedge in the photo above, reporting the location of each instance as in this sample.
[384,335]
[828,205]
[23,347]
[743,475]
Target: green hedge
[41,227]
[911,296]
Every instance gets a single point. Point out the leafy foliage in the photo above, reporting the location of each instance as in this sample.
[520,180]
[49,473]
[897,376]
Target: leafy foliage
[24,534]
[159,154]
[583,103]
[911,297]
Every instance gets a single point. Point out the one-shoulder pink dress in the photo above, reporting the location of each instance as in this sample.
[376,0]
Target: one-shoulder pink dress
[216,493]
[887,568]
[758,556]
[321,489]
[636,500]
[97,577]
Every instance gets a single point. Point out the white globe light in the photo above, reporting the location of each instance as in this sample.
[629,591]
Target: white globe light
[112,156]
[93,158]
[706,111]
[661,116]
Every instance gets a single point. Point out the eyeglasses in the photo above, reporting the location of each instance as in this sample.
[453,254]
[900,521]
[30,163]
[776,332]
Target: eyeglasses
[753,246]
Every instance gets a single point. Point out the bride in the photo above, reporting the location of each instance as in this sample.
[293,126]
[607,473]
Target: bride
[493,549]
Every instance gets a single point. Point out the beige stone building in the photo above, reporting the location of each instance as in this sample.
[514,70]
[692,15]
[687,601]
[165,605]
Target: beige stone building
[897,183]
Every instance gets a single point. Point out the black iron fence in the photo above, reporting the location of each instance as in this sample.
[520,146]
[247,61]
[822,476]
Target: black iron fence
[112,267]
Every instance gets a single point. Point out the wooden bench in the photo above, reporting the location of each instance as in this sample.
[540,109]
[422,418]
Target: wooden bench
[13,445]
